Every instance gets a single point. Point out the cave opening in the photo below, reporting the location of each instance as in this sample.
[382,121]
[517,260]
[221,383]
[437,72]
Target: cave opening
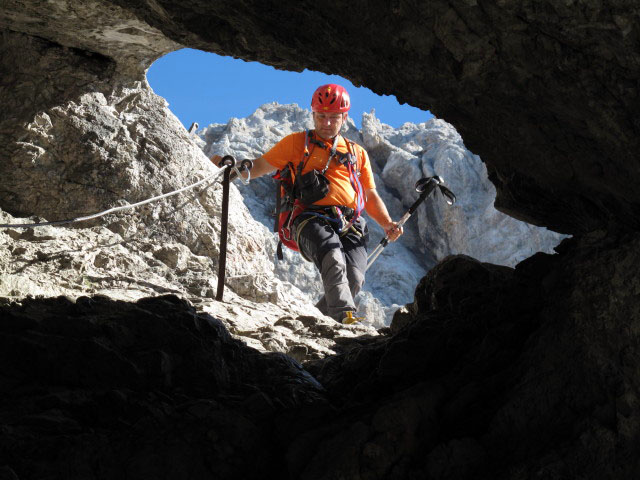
[503,374]
[209,90]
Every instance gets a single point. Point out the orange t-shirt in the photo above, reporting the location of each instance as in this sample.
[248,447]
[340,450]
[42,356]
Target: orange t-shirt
[291,149]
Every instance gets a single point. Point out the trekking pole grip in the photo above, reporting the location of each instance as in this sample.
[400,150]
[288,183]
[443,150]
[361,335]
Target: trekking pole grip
[424,187]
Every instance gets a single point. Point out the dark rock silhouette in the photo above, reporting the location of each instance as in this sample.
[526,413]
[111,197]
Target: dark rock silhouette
[500,373]
[491,373]
[107,389]
[497,375]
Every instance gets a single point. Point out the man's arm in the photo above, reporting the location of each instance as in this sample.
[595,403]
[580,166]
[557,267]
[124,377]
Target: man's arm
[377,210]
[260,166]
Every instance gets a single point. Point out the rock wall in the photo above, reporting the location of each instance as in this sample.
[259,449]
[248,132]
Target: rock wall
[151,388]
[545,93]
[94,151]
[497,373]
[472,226]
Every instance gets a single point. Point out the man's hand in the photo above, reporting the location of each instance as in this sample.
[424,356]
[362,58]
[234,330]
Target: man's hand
[393,231]
[376,209]
[260,167]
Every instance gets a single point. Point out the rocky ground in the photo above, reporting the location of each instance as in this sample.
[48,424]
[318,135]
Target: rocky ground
[144,389]
[265,313]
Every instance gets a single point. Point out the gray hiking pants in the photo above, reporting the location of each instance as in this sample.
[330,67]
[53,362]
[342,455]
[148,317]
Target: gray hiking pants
[341,260]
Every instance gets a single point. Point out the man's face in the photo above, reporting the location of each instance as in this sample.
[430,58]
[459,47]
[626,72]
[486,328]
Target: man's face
[328,125]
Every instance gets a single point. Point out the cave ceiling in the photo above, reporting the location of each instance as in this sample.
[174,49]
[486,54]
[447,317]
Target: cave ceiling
[545,92]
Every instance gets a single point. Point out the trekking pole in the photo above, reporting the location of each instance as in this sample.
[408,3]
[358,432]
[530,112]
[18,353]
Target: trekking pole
[424,187]
[229,163]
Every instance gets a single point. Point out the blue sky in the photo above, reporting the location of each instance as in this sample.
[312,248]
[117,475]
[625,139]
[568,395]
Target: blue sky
[207,88]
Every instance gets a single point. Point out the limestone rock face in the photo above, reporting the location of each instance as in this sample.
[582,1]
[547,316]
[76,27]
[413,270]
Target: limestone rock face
[471,226]
[95,152]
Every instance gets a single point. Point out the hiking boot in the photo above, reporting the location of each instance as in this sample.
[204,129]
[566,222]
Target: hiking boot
[350,317]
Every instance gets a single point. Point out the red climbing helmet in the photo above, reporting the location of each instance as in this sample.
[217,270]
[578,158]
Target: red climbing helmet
[330,98]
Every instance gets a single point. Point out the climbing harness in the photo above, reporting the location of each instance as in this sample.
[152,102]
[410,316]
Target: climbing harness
[229,165]
[424,187]
[313,186]
[296,194]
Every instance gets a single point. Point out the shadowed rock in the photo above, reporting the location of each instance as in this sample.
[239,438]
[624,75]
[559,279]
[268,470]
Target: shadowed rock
[496,373]
[107,389]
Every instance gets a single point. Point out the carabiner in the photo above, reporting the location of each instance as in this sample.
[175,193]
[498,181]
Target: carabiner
[227,161]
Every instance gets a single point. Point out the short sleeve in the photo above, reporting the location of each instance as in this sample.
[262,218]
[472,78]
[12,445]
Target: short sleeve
[281,153]
[366,174]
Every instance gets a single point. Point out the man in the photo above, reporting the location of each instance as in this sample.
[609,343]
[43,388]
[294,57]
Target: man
[333,238]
